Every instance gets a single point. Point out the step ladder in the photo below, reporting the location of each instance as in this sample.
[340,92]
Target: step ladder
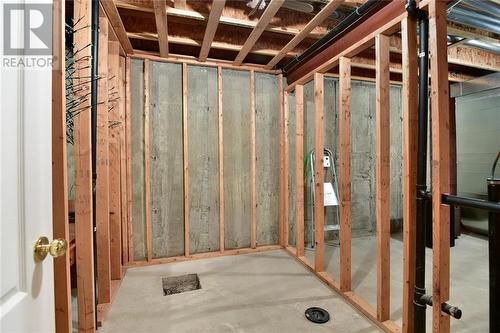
[331,191]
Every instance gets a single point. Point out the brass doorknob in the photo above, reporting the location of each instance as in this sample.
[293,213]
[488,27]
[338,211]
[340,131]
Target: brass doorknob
[56,248]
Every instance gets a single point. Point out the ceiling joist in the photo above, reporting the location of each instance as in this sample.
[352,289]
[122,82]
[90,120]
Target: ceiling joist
[212,24]
[160,8]
[117,24]
[318,19]
[264,20]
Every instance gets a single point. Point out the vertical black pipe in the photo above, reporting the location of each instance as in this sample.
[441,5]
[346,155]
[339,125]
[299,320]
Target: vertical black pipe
[494,253]
[93,101]
[424,208]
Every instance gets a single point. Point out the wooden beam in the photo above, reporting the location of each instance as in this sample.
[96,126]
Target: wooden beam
[147,164]
[102,182]
[304,33]
[286,168]
[345,172]
[221,160]
[382,185]
[84,232]
[60,226]
[382,177]
[253,157]
[282,164]
[123,161]
[117,24]
[115,211]
[225,20]
[269,12]
[185,145]
[299,165]
[319,174]
[212,24]
[440,164]
[128,133]
[160,7]
[386,20]
[410,124]
[186,40]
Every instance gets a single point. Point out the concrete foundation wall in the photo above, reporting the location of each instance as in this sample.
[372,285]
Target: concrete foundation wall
[167,175]
[203,148]
[267,150]
[138,199]
[292,183]
[237,153]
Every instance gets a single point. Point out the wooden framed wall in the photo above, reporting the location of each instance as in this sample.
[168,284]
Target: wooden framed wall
[259,115]
[440,148]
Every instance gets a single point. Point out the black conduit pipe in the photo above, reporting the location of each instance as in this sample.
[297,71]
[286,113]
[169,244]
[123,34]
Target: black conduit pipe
[424,208]
[93,102]
[332,35]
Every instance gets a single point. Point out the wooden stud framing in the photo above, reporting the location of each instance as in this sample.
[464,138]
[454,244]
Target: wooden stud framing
[128,134]
[410,124]
[382,177]
[325,12]
[160,8]
[440,164]
[345,172]
[264,20]
[102,181]
[299,165]
[282,189]
[212,24]
[60,226]
[253,192]
[117,24]
[221,160]
[115,211]
[123,162]
[319,174]
[83,180]
[286,169]
[147,162]
[185,142]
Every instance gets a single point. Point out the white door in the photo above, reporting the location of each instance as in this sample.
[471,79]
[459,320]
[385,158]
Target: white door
[27,287]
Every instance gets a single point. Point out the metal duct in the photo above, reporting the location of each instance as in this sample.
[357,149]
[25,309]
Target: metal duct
[488,7]
[490,47]
[469,17]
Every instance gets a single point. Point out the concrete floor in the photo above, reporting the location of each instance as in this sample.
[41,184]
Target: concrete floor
[469,278]
[261,292]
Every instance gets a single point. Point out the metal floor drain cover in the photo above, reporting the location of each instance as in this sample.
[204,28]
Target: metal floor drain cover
[317,315]
[180,284]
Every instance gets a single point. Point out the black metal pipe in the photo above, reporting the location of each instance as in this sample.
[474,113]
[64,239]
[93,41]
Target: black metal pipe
[490,206]
[332,35]
[93,102]
[424,208]
[445,307]
[494,253]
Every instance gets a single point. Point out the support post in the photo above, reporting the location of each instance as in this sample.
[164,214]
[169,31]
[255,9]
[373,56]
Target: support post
[440,163]
[221,160]
[60,226]
[319,209]
[286,169]
[345,172]
[410,124]
[185,144]
[147,164]
[253,194]
[299,165]
[382,177]
[102,181]
[83,177]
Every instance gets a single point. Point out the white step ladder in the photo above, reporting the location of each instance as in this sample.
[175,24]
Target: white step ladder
[331,191]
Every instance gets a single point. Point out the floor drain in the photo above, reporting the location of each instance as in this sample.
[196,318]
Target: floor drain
[180,284]
[317,315]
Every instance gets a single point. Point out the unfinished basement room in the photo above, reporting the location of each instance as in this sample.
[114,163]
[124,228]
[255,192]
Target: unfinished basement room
[250,166]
